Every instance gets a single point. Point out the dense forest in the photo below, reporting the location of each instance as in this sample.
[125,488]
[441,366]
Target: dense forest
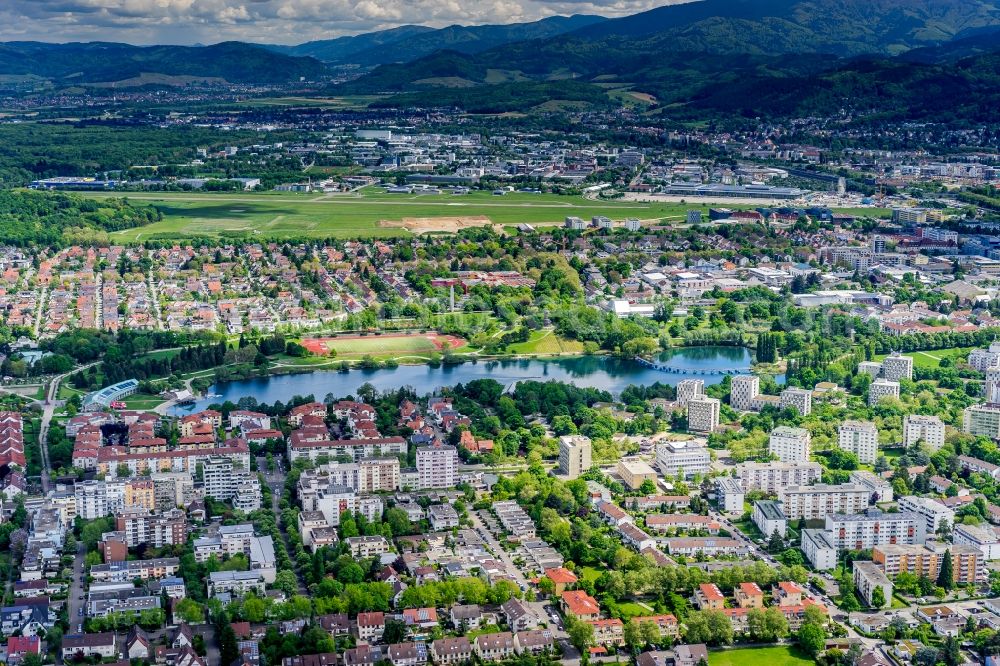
[44,218]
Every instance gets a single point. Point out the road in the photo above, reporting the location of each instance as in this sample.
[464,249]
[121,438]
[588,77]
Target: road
[276,481]
[75,601]
[47,412]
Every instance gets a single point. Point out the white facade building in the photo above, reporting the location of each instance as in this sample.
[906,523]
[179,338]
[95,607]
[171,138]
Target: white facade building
[742,391]
[882,388]
[682,458]
[934,513]
[703,414]
[918,427]
[860,438]
[790,444]
[437,466]
[799,398]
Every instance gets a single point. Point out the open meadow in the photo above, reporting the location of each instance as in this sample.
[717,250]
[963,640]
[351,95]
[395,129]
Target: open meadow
[371,213]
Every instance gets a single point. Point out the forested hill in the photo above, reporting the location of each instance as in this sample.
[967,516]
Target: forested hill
[408,43]
[105,62]
[30,219]
[693,51]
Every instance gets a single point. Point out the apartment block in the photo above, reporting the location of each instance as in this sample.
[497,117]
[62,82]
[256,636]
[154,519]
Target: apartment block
[703,414]
[773,477]
[882,388]
[437,466]
[867,577]
[742,391]
[968,563]
[873,527]
[929,429]
[790,444]
[880,488]
[821,500]
[682,458]
[860,438]
[934,513]
[729,495]
[799,398]
[896,367]
[575,452]
[769,518]
[983,538]
[982,420]
[688,389]
[819,549]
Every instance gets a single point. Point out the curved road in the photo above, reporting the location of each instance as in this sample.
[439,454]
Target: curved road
[47,412]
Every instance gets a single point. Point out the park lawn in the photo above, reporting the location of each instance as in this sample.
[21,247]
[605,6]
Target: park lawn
[589,573]
[358,214]
[759,656]
[931,358]
[632,609]
[546,342]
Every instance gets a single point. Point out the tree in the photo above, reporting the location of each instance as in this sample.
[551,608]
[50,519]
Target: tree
[878,597]
[812,639]
[581,635]
[189,611]
[951,653]
[926,656]
[651,634]
[395,632]
[632,635]
[946,577]
[775,544]
[287,582]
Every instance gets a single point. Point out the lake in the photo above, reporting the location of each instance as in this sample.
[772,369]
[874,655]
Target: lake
[601,372]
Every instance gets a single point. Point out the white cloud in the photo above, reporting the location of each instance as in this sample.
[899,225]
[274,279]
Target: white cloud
[274,21]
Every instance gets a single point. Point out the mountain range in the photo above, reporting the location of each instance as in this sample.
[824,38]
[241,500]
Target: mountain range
[914,58]
[411,42]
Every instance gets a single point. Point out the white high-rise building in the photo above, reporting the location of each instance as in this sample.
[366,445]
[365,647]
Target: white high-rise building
[991,389]
[981,359]
[918,427]
[872,527]
[860,438]
[882,388]
[729,494]
[91,499]
[703,414]
[799,398]
[982,420]
[689,388]
[574,455]
[896,367]
[772,477]
[790,444]
[821,500]
[687,458]
[742,391]
[437,466]
[933,512]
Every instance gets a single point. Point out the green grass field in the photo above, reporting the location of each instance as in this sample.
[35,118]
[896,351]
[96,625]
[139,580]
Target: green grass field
[358,215]
[932,358]
[546,342]
[768,656]
[383,345]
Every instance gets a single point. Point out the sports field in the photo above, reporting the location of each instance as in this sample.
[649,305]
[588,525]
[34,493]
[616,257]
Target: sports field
[382,345]
[370,212]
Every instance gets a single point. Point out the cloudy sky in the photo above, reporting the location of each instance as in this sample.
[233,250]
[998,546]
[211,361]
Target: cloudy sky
[272,21]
